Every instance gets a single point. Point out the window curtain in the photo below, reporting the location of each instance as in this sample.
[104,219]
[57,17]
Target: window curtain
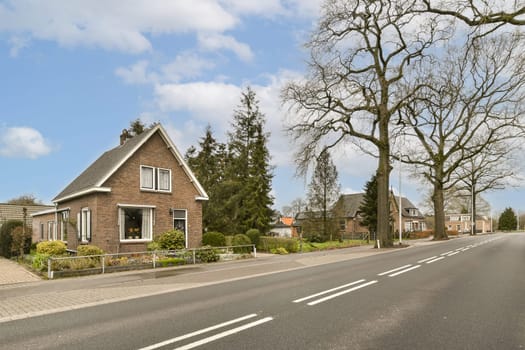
[147,178]
[146,223]
[164,180]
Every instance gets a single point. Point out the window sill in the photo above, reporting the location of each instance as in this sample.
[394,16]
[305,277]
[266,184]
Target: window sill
[135,240]
[154,191]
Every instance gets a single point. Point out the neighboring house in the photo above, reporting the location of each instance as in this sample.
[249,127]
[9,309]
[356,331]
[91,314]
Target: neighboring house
[350,218]
[462,223]
[20,212]
[128,196]
[411,218]
[285,227]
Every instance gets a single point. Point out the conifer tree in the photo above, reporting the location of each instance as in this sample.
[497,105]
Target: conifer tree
[368,208]
[248,171]
[323,191]
[507,221]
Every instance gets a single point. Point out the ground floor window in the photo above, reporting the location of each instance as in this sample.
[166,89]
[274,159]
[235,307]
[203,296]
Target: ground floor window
[136,223]
[84,225]
[51,233]
[180,222]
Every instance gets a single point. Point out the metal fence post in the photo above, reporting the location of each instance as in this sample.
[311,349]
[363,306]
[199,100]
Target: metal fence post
[154,258]
[254,251]
[103,260]
[49,274]
[193,256]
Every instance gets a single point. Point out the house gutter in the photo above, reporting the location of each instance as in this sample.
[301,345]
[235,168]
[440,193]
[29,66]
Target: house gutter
[84,192]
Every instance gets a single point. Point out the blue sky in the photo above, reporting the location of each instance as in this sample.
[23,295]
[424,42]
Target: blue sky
[73,74]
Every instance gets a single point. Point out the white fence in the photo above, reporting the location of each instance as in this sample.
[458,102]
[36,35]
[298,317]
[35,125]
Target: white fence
[94,264]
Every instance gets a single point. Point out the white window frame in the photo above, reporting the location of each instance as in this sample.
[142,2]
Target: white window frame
[84,225]
[51,232]
[155,186]
[122,224]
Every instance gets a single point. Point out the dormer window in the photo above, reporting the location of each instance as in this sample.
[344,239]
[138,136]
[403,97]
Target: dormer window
[155,179]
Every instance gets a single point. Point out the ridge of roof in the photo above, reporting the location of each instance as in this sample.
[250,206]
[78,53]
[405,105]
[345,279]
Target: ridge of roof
[94,176]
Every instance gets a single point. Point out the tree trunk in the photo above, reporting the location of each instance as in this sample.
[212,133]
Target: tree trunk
[439,212]
[384,234]
[473,209]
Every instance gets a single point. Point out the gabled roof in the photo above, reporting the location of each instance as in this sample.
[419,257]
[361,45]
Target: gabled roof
[92,179]
[350,204]
[406,205]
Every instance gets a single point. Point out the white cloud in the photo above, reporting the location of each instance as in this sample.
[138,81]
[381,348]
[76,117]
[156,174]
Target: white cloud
[262,8]
[136,74]
[211,102]
[186,65]
[215,42]
[23,142]
[111,25]
[17,43]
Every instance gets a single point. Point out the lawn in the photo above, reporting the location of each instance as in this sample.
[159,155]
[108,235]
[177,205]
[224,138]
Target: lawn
[313,247]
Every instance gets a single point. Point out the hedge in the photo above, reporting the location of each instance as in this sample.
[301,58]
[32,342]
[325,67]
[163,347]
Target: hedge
[268,243]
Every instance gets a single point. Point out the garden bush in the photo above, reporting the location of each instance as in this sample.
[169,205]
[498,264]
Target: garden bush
[164,262]
[171,240]
[207,254]
[6,239]
[241,239]
[214,239]
[40,261]
[53,248]
[280,251]
[154,245]
[254,235]
[268,243]
[86,250]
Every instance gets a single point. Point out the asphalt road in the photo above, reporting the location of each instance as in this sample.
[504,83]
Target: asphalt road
[466,293]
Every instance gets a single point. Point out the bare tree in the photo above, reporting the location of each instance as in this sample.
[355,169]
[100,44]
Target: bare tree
[472,105]
[359,54]
[492,169]
[476,13]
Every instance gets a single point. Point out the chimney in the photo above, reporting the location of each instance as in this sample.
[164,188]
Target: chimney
[124,136]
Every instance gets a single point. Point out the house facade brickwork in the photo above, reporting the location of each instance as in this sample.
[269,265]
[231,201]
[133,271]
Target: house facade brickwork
[148,190]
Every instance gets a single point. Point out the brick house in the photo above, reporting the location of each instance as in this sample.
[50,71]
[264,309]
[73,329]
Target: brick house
[128,196]
[463,223]
[349,217]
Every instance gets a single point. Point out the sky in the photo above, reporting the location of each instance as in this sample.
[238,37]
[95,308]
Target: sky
[73,74]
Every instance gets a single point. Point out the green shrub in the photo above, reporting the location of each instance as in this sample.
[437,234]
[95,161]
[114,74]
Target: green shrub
[154,245]
[6,239]
[52,248]
[229,240]
[268,243]
[171,240]
[87,250]
[40,261]
[254,235]
[207,254]
[164,262]
[280,251]
[214,239]
[241,239]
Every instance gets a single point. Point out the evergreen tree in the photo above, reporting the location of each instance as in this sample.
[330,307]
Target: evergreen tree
[208,166]
[368,208]
[248,171]
[323,191]
[507,221]
[237,176]
[136,127]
